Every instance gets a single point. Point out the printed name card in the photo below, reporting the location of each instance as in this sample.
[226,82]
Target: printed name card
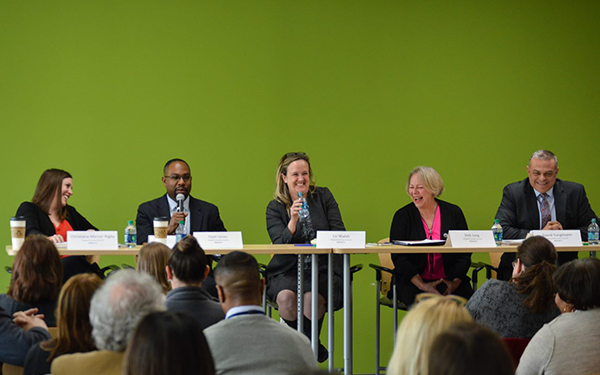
[471,238]
[341,239]
[560,238]
[92,240]
[220,240]
[170,240]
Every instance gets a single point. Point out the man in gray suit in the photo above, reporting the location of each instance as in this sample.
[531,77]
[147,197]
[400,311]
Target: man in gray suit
[542,201]
[247,341]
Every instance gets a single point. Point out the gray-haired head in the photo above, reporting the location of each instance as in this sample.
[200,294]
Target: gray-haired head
[118,305]
[544,155]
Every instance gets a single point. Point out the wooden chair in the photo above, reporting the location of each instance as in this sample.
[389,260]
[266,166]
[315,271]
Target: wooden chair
[18,370]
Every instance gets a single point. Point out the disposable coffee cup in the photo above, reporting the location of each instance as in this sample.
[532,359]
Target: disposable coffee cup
[17,231]
[161,226]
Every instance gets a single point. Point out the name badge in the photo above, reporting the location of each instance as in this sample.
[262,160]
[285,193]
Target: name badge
[560,238]
[92,240]
[220,240]
[471,238]
[327,239]
[170,240]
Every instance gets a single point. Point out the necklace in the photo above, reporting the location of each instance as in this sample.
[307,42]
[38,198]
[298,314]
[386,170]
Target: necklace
[430,229]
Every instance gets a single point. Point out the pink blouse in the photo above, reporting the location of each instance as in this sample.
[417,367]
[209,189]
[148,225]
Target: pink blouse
[434,270]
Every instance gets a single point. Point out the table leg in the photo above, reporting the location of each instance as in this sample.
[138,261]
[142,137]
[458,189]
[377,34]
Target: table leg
[300,320]
[347,318]
[314,312]
[330,332]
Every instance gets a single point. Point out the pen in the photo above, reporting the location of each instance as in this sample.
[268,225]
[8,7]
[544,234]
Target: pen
[304,244]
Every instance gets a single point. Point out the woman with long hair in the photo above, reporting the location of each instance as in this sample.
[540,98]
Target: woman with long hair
[518,308]
[153,260]
[36,279]
[73,323]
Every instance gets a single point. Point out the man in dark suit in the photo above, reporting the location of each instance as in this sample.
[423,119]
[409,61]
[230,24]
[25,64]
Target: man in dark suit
[199,216]
[542,201]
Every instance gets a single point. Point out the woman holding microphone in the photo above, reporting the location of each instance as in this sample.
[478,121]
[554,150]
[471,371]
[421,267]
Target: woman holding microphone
[295,182]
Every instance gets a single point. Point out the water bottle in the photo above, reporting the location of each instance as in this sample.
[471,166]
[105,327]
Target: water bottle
[130,234]
[308,233]
[180,231]
[497,231]
[594,233]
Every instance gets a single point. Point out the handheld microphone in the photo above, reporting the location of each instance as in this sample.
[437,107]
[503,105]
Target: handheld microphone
[180,198]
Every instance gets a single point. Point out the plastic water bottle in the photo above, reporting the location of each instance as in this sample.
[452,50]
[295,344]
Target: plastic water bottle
[130,234]
[180,231]
[594,233]
[308,233]
[497,232]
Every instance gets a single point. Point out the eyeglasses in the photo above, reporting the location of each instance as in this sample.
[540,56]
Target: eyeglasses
[460,301]
[175,178]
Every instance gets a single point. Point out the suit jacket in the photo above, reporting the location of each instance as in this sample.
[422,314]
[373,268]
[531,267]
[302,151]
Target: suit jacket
[97,362]
[38,222]
[324,214]
[518,212]
[197,302]
[205,217]
[407,225]
[15,342]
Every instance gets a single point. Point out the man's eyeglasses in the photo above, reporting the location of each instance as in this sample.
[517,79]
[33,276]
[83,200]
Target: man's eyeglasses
[176,178]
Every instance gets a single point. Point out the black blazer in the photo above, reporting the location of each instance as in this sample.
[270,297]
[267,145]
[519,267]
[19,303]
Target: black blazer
[407,225]
[38,222]
[324,214]
[205,217]
[518,212]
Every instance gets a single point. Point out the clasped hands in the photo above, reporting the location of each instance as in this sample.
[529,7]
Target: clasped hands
[29,319]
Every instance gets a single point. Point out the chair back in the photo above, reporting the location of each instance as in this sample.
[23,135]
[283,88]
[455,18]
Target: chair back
[385,260]
[516,347]
[495,262]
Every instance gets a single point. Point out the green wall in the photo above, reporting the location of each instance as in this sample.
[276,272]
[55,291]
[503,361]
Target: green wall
[110,90]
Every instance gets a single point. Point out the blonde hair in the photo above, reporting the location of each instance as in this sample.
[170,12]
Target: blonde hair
[418,330]
[152,260]
[431,180]
[282,193]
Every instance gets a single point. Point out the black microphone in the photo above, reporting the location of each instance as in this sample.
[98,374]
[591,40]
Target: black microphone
[180,198]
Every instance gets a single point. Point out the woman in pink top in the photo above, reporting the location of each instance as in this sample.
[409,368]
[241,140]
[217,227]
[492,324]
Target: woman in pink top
[428,217]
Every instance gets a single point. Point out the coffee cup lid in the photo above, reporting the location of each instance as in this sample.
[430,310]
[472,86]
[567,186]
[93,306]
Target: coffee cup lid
[161,218]
[17,218]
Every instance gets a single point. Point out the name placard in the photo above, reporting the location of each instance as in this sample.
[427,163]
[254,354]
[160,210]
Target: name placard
[170,240]
[92,240]
[560,238]
[327,239]
[471,238]
[220,240]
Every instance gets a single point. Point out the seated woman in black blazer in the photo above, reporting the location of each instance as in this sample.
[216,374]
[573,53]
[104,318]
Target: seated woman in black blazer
[427,217]
[49,214]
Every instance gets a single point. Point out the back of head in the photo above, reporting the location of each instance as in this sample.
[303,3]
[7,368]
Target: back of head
[48,188]
[237,273]
[73,321]
[153,260]
[188,261]
[419,328]
[118,305]
[37,272]
[168,343]
[578,283]
[538,256]
[469,348]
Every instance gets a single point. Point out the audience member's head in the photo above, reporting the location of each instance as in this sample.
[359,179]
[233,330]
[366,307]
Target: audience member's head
[187,263]
[532,273]
[425,320]
[238,280]
[153,261]
[469,348]
[168,343]
[578,285]
[72,316]
[118,305]
[37,272]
